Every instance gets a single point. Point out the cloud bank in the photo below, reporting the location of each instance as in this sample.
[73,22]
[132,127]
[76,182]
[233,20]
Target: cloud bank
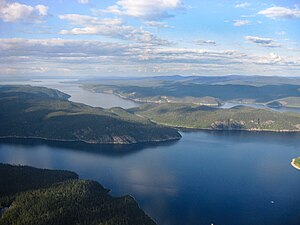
[85,57]
[114,28]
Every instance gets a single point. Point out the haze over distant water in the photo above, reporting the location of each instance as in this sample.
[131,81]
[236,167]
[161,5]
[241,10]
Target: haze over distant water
[78,94]
[228,105]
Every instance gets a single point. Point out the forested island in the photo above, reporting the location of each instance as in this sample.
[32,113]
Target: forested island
[53,197]
[38,112]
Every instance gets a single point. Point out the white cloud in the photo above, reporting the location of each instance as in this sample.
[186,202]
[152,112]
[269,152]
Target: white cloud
[242,5]
[14,12]
[280,13]
[145,9]
[157,24]
[275,59]
[264,42]
[239,23]
[248,16]
[41,10]
[87,57]
[83,1]
[206,42]
[114,28]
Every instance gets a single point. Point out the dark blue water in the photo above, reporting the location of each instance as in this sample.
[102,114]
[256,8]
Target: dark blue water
[224,178]
[220,178]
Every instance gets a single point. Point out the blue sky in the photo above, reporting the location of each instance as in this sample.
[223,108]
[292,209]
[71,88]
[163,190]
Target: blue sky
[80,38]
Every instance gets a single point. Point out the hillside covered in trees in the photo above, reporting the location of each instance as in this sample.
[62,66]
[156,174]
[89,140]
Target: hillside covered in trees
[41,197]
[35,112]
[203,90]
[203,117]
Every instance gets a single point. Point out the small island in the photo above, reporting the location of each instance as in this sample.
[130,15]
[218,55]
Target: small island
[296,163]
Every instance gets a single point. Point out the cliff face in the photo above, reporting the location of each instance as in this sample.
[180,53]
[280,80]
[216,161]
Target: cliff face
[46,115]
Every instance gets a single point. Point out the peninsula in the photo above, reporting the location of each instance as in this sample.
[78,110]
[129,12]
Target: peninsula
[43,197]
[38,112]
[202,117]
[203,90]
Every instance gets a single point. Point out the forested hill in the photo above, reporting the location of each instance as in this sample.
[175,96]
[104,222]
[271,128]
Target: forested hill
[51,197]
[207,90]
[30,91]
[34,112]
[236,118]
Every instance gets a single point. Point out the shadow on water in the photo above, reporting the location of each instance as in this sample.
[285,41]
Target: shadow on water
[243,135]
[110,150]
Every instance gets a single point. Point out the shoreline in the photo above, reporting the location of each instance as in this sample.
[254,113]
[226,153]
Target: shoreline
[244,130]
[240,130]
[210,129]
[91,143]
[141,101]
[294,165]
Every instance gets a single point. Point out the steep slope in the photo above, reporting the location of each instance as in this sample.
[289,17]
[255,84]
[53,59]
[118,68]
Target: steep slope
[62,200]
[32,112]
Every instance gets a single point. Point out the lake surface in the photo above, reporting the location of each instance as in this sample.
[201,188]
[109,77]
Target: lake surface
[220,178]
[224,178]
[228,105]
[79,94]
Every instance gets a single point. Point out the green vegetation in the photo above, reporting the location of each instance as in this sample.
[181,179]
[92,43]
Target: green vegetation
[297,162]
[209,91]
[58,197]
[29,91]
[14,180]
[33,112]
[203,117]
[289,101]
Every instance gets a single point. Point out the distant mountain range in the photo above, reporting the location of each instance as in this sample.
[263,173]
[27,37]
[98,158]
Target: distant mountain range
[230,79]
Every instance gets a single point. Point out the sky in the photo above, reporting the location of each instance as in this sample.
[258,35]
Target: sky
[103,38]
